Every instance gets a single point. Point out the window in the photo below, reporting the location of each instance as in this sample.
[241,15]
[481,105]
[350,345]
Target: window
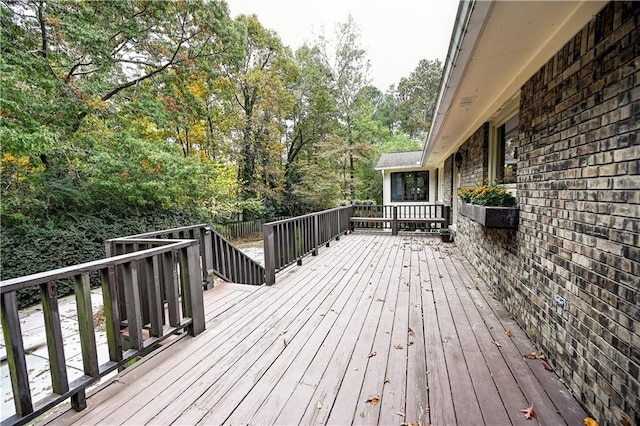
[507,151]
[410,186]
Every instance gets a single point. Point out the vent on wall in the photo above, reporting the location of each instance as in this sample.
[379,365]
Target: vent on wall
[466,101]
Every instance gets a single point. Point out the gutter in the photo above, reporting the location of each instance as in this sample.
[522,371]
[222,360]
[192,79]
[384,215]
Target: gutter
[470,20]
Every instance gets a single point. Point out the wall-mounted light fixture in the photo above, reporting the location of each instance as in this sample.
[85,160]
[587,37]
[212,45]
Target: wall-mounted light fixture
[459,158]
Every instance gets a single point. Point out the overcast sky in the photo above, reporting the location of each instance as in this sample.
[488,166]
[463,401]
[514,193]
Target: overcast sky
[396,34]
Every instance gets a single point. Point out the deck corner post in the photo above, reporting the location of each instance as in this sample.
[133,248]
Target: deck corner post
[192,288]
[269,255]
[394,222]
[79,400]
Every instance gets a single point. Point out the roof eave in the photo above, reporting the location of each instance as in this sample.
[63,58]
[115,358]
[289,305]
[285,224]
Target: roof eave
[470,20]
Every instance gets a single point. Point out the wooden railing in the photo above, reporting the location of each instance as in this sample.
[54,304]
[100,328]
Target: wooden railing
[218,256]
[401,217]
[288,241]
[172,263]
[244,228]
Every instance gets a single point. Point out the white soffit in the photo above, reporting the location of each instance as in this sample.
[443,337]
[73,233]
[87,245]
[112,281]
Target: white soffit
[516,40]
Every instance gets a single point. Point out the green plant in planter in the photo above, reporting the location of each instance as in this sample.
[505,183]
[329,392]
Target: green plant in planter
[445,234]
[487,195]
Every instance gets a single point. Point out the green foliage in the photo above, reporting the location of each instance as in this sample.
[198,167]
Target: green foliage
[487,195]
[122,116]
[28,248]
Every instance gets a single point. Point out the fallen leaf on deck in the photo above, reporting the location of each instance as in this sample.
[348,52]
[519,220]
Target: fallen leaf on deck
[387,380]
[411,332]
[319,404]
[398,346]
[547,366]
[410,343]
[529,413]
[372,354]
[508,333]
[379,300]
[497,344]
[427,410]
[285,343]
[534,355]
[362,414]
[400,414]
[373,400]
[588,421]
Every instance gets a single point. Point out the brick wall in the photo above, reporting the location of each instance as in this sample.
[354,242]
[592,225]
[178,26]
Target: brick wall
[579,233]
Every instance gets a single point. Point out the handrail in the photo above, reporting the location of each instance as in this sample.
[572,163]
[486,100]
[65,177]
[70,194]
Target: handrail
[173,264]
[401,217]
[288,241]
[218,257]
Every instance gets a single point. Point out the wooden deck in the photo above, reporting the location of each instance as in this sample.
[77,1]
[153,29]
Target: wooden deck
[377,329]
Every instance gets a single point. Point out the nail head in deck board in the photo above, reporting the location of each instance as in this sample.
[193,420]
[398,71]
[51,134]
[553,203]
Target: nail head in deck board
[213,353]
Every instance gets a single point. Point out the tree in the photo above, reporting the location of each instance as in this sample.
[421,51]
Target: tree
[259,76]
[350,67]
[417,95]
[311,121]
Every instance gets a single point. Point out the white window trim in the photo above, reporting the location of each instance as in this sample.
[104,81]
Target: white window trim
[508,111]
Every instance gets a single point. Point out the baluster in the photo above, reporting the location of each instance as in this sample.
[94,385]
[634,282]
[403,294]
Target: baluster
[192,288]
[15,354]
[132,298]
[87,336]
[111,312]
[207,258]
[170,273]
[53,330]
[156,309]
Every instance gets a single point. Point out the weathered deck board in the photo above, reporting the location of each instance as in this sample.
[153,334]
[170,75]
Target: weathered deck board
[364,294]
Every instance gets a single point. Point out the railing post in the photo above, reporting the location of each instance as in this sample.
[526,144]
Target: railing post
[446,212]
[394,222]
[269,255]
[15,355]
[192,288]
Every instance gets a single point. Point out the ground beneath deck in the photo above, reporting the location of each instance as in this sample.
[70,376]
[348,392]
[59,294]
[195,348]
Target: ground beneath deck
[377,329]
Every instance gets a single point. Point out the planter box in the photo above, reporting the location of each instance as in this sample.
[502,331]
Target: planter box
[491,217]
